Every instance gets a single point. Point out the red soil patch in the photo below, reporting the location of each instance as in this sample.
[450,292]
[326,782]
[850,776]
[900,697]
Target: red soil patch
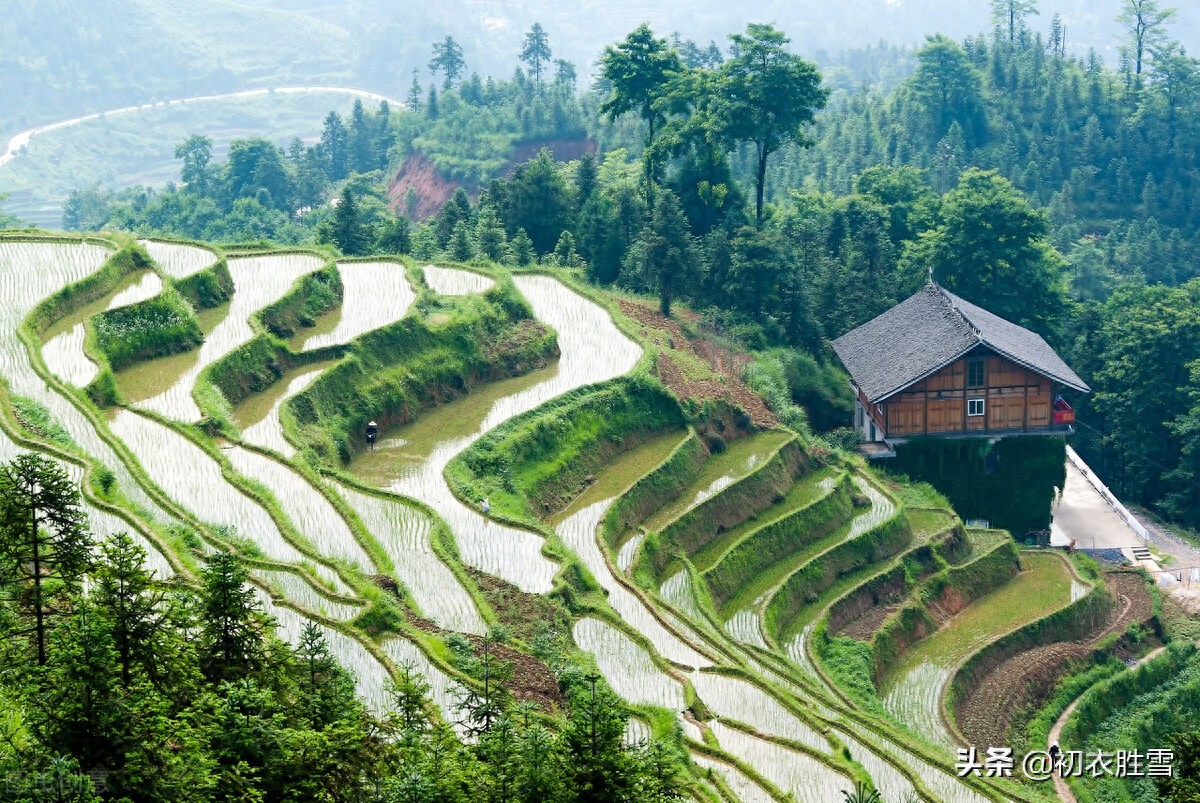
[421,175]
[732,390]
[433,189]
[531,680]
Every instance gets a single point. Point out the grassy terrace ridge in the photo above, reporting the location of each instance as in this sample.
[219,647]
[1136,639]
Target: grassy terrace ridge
[637,459]
[746,574]
[1042,587]
[804,493]
[740,458]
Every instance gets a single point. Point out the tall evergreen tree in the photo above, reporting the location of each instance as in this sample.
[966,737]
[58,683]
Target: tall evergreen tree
[536,51]
[767,98]
[44,542]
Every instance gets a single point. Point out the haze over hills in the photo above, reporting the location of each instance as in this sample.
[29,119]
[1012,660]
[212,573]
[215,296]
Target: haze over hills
[60,59]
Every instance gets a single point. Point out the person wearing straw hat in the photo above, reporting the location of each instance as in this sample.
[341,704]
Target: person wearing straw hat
[372,432]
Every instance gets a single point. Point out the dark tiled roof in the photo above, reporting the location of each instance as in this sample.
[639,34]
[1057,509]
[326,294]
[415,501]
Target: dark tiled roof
[930,330]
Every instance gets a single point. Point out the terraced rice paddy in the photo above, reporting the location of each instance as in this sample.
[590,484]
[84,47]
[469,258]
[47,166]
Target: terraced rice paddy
[66,359]
[443,690]
[202,489]
[267,431]
[889,781]
[627,667]
[455,282]
[375,294]
[257,281]
[579,534]
[296,589]
[148,286]
[592,350]
[29,272]
[747,790]
[410,461]
[404,534]
[799,775]
[311,513]
[629,550]
[178,261]
[913,690]
[719,472]
[741,700]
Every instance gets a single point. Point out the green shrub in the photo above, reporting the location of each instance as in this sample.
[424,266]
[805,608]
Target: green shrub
[208,288]
[392,373]
[537,462]
[152,328]
[312,295]
[1015,496]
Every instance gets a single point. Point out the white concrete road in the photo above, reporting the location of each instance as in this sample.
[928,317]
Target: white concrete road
[1081,514]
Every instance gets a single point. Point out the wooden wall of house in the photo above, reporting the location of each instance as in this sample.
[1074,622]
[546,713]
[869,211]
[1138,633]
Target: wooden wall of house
[1015,400]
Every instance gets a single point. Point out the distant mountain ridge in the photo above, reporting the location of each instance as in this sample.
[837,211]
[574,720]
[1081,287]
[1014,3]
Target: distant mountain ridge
[59,59]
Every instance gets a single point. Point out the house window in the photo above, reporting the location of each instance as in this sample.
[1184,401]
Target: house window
[974,407]
[860,416]
[975,378]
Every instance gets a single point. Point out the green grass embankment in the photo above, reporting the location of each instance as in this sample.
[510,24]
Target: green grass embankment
[534,463]
[392,373]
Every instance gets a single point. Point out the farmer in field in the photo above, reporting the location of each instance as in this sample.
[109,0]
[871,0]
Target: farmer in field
[485,506]
[372,433]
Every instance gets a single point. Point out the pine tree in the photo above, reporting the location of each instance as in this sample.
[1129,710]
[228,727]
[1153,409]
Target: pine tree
[125,592]
[232,638]
[45,548]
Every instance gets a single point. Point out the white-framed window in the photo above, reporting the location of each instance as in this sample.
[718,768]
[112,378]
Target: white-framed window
[974,407]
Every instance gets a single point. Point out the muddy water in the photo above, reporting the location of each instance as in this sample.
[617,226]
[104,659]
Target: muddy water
[454,282]
[579,534]
[404,533]
[145,380]
[178,261]
[375,295]
[257,281]
[616,477]
[30,272]
[412,460]
[258,415]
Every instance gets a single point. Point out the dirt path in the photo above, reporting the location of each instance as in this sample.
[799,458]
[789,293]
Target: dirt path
[1060,785]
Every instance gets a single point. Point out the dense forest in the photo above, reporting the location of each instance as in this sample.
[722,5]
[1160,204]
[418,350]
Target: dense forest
[1053,189]
[118,687]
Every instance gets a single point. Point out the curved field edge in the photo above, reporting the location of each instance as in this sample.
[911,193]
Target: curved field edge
[354,631]
[71,298]
[1075,621]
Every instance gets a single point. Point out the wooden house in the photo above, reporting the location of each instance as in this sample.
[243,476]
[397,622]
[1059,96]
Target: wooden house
[937,365]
